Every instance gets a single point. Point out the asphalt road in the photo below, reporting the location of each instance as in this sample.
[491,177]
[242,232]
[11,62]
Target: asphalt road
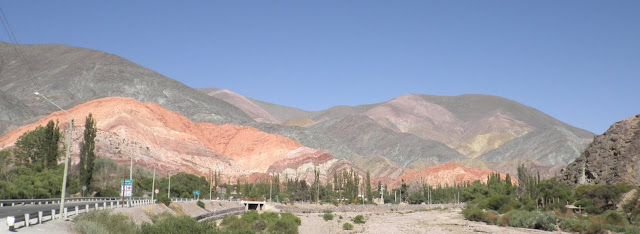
[22,209]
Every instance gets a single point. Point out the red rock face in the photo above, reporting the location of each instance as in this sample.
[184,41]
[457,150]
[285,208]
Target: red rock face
[156,136]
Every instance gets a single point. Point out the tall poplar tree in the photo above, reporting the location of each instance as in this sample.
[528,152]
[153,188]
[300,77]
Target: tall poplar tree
[87,151]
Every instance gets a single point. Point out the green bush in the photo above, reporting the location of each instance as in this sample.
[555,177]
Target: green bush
[250,216]
[595,226]
[260,225]
[270,217]
[291,217]
[359,219]
[200,204]
[93,222]
[86,226]
[473,213]
[108,192]
[238,226]
[167,223]
[573,225]
[327,216]
[347,226]
[624,229]
[614,218]
[288,223]
[164,200]
[496,202]
[535,220]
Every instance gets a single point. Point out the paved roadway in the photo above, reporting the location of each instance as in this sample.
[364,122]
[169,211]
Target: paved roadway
[22,209]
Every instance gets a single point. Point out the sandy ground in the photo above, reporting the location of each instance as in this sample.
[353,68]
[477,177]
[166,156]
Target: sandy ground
[419,221]
[378,220]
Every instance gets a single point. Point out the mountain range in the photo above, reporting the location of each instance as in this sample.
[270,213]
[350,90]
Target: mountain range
[390,139]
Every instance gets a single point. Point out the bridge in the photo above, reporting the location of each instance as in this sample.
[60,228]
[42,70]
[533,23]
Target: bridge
[253,205]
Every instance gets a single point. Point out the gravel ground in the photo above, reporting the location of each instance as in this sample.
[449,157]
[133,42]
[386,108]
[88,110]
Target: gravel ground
[448,220]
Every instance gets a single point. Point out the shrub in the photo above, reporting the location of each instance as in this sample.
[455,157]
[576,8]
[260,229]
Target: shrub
[260,225]
[270,217]
[238,226]
[86,226]
[497,202]
[250,216]
[595,226]
[287,223]
[573,225]
[164,200]
[614,218]
[291,217]
[491,217]
[167,223]
[473,213]
[327,216]
[108,192]
[347,226]
[535,220]
[200,204]
[228,219]
[93,222]
[624,229]
[504,220]
[359,219]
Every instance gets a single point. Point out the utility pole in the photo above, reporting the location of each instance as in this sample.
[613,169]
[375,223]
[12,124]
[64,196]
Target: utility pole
[153,183]
[131,168]
[210,183]
[270,186]
[66,157]
[169,190]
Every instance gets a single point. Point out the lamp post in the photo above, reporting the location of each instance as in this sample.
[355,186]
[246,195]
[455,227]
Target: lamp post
[66,157]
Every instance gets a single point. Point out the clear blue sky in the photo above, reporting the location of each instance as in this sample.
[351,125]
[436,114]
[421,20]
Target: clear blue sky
[578,61]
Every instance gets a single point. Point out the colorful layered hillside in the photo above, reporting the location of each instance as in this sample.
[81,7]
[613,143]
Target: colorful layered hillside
[156,136]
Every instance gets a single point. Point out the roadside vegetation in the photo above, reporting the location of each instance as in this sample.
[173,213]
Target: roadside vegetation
[542,204]
[249,222]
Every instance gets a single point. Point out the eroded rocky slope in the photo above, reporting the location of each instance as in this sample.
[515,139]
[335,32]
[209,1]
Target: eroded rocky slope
[613,157]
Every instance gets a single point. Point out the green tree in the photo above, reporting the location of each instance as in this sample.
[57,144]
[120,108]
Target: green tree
[87,151]
[39,148]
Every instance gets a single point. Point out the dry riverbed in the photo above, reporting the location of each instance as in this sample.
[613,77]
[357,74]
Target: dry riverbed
[447,220]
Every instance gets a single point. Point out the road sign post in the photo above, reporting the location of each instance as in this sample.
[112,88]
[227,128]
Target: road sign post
[126,188]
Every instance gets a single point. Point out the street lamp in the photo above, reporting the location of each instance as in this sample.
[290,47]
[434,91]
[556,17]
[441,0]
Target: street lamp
[66,158]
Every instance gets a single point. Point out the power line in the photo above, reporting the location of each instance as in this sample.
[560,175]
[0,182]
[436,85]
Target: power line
[14,42]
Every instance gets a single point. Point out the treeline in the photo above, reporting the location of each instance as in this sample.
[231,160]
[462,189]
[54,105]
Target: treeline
[31,169]
[549,204]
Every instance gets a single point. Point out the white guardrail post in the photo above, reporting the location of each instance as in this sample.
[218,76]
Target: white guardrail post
[39,217]
[11,223]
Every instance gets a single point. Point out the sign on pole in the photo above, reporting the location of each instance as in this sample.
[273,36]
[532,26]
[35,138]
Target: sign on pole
[126,187]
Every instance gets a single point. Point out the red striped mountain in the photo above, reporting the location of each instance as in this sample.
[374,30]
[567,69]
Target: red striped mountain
[169,140]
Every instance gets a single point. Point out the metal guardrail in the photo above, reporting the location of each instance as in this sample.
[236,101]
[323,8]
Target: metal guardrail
[219,214]
[27,219]
[45,201]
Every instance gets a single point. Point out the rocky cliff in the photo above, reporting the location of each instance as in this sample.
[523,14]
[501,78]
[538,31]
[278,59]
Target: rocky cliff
[613,157]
